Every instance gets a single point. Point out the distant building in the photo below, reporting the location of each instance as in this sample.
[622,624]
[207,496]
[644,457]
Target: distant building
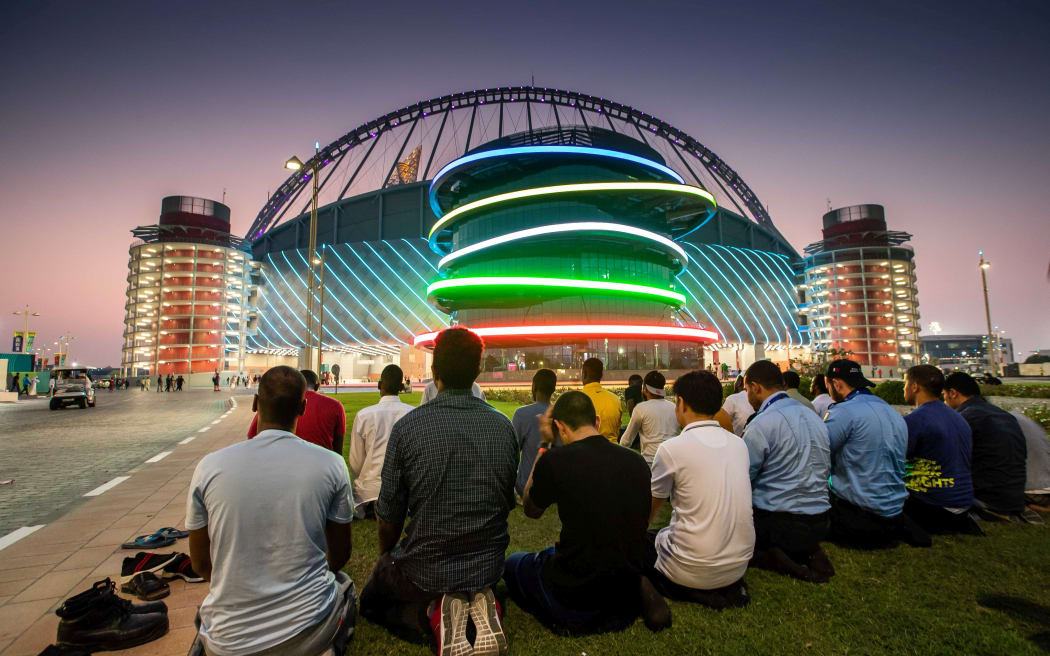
[860,292]
[964,352]
[189,282]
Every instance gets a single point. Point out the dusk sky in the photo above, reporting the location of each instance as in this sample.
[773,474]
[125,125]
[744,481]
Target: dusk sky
[938,111]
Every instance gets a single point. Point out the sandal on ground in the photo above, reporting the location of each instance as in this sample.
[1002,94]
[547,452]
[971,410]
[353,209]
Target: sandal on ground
[152,541]
[172,532]
[146,586]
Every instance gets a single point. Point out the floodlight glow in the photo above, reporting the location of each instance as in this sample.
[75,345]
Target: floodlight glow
[584,330]
[572,188]
[582,226]
[558,150]
[554,283]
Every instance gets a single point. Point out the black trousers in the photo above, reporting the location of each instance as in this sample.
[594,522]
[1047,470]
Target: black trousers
[392,600]
[733,595]
[798,535]
[938,521]
[859,527]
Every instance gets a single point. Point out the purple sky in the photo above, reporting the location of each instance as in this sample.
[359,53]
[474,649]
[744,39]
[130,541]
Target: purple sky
[936,110]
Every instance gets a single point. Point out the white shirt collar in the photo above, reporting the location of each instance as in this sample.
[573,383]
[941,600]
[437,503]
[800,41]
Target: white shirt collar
[701,423]
[390,398]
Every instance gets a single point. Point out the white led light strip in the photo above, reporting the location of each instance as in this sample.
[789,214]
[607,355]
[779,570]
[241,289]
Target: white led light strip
[686,190]
[582,226]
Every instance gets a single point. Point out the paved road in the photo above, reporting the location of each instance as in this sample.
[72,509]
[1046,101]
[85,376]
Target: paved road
[54,457]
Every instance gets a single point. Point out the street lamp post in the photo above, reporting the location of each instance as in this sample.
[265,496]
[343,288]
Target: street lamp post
[983,264]
[320,311]
[25,335]
[296,164]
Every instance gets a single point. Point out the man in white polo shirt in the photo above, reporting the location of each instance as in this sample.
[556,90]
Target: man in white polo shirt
[368,439]
[738,407]
[653,420]
[703,554]
[269,522]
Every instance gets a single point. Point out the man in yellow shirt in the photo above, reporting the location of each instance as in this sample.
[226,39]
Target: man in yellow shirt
[606,404]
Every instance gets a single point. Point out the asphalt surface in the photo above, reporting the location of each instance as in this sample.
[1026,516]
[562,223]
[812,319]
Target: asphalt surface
[54,457]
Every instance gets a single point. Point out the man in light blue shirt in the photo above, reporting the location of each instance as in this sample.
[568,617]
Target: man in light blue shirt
[527,425]
[269,522]
[790,459]
[869,443]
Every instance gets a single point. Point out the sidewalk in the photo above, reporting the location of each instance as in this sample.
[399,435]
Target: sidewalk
[66,556]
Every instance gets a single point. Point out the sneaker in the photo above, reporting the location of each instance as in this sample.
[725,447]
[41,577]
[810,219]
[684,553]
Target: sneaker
[449,624]
[485,611]
[181,567]
[146,607]
[146,586]
[143,561]
[1030,516]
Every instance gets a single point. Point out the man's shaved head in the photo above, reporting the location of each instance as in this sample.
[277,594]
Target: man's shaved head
[279,400]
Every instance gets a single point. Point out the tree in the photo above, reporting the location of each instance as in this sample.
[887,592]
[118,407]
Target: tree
[1035,358]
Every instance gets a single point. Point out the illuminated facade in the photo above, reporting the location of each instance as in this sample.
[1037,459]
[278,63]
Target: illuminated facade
[189,288]
[559,226]
[860,290]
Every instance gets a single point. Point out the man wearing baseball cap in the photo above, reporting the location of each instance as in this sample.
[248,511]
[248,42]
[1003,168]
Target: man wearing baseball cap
[869,443]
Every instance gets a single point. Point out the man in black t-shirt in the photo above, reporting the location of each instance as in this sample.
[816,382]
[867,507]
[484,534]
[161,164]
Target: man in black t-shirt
[592,580]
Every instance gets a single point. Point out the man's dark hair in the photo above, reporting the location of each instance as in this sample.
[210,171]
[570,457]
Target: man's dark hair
[928,377]
[634,379]
[592,369]
[738,385]
[281,391]
[392,379]
[311,379]
[963,383]
[701,391]
[766,374]
[792,380]
[655,379]
[820,384]
[544,381]
[575,409]
[457,357]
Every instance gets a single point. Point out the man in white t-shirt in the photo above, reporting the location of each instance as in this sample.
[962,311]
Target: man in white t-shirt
[653,420]
[269,522]
[368,439]
[430,392]
[738,407]
[703,555]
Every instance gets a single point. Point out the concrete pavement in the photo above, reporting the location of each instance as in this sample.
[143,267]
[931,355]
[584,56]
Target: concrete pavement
[69,553]
[55,457]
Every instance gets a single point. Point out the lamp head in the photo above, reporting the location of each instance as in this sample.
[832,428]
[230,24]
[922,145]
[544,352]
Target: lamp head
[293,164]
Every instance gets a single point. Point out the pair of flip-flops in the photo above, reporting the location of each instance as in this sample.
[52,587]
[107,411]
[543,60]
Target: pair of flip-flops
[162,538]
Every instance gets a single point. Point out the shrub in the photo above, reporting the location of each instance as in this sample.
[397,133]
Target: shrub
[1018,390]
[890,391]
[805,386]
[1041,414]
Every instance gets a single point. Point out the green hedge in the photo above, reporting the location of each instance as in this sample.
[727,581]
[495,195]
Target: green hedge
[891,391]
[1040,413]
[1018,390]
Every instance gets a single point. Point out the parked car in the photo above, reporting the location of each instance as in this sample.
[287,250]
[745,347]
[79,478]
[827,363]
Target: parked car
[72,386]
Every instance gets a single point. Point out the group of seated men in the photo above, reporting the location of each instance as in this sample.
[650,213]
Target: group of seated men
[269,518]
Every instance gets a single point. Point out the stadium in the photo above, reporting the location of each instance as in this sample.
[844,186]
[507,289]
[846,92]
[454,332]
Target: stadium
[558,225]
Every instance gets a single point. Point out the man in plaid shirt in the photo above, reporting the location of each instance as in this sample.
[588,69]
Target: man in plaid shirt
[450,466]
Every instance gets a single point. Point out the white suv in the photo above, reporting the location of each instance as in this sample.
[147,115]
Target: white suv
[72,385]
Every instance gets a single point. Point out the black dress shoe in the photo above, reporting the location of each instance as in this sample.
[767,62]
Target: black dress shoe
[52,650]
[146,607]
[98,620]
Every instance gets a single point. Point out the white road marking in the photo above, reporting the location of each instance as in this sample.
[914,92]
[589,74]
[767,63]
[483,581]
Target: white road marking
[205,429]
[160,456]
[216,421]
[18,534]
[187,440]
[107,486]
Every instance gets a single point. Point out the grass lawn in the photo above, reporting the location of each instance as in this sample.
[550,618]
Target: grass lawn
[963,596]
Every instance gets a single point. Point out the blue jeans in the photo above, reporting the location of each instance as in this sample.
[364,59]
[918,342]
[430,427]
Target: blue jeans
[523,574]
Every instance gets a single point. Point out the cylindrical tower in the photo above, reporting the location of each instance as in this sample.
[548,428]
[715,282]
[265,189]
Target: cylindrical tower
[564,235]
[188,287]
[860,290]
